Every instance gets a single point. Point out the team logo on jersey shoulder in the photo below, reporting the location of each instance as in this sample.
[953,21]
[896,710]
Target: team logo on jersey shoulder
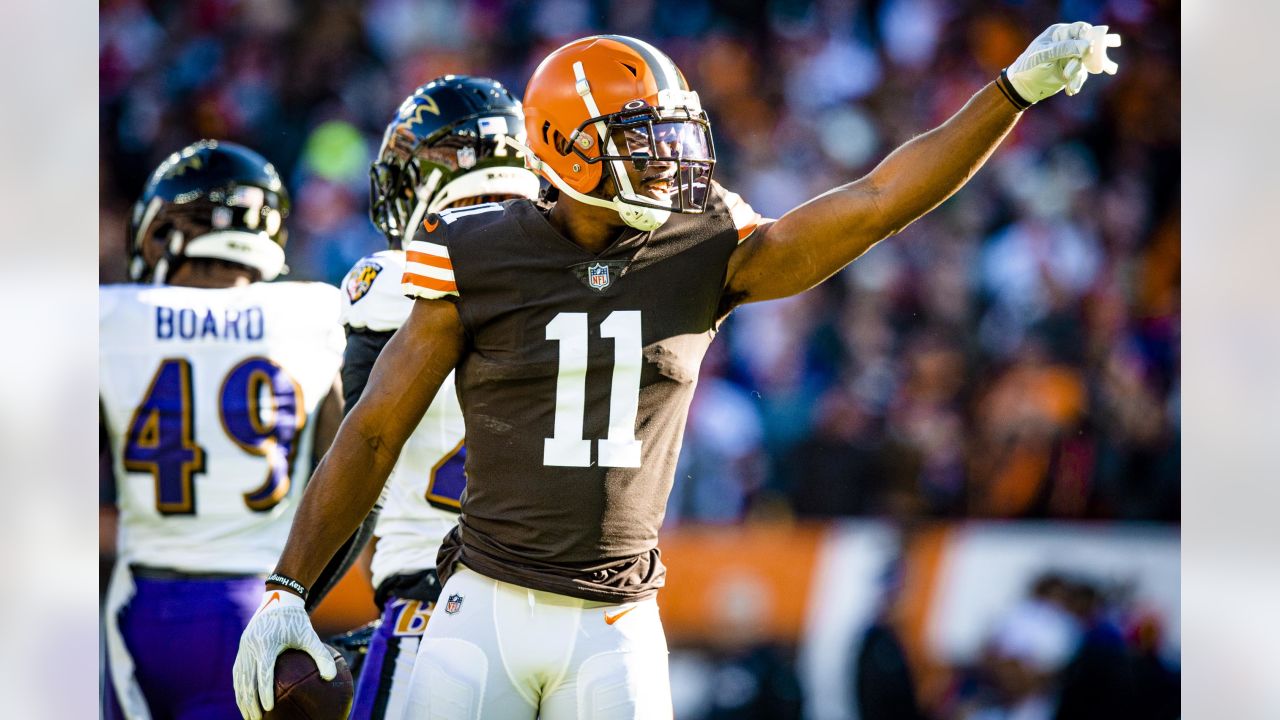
[453,605]
[361,278]
[598,276]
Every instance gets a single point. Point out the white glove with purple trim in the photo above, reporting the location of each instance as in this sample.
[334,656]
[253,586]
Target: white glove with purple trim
[280,623]
[1062,57]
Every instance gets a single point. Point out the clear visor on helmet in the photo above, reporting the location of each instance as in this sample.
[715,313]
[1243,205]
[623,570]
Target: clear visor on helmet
[661,163]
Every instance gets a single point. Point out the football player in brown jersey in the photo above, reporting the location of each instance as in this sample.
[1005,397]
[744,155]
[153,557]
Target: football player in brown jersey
[577,328]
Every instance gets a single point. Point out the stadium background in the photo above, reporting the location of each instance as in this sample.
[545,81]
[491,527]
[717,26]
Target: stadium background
[956,463]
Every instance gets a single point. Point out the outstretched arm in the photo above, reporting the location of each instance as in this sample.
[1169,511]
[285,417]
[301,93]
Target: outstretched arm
[813,241]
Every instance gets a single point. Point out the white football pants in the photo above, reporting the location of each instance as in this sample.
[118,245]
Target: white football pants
[509,653]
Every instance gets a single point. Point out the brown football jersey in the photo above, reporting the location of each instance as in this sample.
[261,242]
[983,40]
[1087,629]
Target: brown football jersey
[575,386]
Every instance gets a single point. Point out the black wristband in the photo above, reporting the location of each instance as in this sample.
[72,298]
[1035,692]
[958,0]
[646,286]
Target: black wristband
[1010,92]
[288,582]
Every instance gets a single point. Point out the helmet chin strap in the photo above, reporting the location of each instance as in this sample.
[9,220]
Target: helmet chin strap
[168,261]
[644,219]
[420,194]
[160,271]
[641,218]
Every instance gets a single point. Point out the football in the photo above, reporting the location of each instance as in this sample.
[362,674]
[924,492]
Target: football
[301,694]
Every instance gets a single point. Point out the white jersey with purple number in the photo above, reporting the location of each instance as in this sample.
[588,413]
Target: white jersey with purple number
[209,398]
[420,502]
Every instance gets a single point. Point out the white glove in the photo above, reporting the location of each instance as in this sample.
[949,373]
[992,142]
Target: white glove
[1060,58]
[281,622]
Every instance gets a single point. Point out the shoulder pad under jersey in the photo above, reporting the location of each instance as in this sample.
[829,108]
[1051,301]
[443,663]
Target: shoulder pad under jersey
[745,218]
[317,300]
[429,269]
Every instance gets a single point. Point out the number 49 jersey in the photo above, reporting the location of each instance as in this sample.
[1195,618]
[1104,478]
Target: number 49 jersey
[209,398]
[575,387]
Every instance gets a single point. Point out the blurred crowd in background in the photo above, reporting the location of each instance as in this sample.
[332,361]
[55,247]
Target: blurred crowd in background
[1015,354]
[1070,650]
[1074,648]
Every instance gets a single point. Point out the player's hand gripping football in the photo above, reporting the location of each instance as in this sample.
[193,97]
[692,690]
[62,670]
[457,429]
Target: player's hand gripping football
[1062,57]
[280,623]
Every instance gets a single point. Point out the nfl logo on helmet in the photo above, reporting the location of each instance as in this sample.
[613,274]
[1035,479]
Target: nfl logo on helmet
[598,276]
[454,604]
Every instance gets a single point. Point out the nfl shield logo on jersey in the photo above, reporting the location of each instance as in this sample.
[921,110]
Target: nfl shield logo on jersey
[598,276]
[454,604]
[466,157]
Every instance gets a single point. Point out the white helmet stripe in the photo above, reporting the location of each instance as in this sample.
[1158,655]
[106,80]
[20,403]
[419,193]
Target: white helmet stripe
[662,62]
[584,90]
[665,72]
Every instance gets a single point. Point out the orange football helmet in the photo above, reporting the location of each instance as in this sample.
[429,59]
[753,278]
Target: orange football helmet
[611,103]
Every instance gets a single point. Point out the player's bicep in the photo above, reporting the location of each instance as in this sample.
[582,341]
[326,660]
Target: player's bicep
[408,373]
[773,262]
[806,245]
[749,260]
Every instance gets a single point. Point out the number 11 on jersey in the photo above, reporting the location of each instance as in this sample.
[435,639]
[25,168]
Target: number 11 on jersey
[567,446]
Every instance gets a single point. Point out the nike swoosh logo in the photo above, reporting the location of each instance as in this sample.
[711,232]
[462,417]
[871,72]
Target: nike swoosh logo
[275,597]
[430,223]
[611,619]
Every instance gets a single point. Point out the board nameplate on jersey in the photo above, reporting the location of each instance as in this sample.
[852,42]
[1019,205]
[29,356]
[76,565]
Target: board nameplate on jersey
[599,275]
[453,605]
[204,324]
[361,278]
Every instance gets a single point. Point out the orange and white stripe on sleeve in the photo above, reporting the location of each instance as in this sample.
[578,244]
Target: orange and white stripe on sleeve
[428,272]
[745,219]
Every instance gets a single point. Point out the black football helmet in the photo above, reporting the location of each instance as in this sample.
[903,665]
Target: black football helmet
[448,145]
[211,199]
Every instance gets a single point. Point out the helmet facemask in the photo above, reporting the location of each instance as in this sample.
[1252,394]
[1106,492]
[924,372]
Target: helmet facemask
[658,162]
[400,184]
[660,159]
[417,175]
[212,200]
[242,224]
